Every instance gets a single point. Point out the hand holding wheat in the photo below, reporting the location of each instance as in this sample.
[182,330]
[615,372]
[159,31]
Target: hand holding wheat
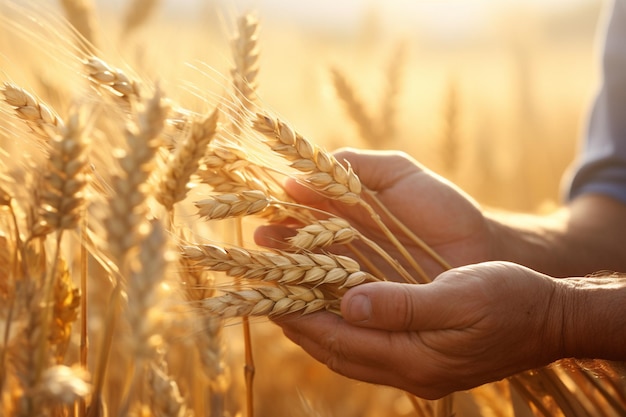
[447,220]
[472,325]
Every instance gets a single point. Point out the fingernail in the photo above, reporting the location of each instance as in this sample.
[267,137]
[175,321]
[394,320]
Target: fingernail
[359,308]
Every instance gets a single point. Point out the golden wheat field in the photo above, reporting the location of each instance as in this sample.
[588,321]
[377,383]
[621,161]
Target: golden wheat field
[142,142]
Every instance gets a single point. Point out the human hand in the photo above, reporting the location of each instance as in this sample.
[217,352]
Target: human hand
[436,211]
[472,325]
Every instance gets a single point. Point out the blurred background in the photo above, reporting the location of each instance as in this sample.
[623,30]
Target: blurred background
[491,94]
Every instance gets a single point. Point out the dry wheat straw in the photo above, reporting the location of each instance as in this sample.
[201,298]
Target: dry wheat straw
[37,115]
[185,161]
[450,143]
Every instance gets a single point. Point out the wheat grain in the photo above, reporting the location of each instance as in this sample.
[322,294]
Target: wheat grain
[37,115]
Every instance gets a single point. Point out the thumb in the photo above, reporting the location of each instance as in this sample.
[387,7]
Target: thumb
[399,306]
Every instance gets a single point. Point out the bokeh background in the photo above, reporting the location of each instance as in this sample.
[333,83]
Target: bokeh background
[491,94]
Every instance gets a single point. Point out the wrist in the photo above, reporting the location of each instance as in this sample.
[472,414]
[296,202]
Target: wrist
[593,319]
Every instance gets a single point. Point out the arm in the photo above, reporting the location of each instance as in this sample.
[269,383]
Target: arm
[579,239]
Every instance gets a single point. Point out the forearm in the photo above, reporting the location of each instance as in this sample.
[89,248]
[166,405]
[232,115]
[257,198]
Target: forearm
[582,238]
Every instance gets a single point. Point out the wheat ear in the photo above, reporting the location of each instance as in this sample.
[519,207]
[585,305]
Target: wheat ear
[62,196]
[114,79]
[37,115]
[323,172]
[173,186]
[246,55]
[126,205]
[354,107]
[271,301]
[336,231]
[221,206]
